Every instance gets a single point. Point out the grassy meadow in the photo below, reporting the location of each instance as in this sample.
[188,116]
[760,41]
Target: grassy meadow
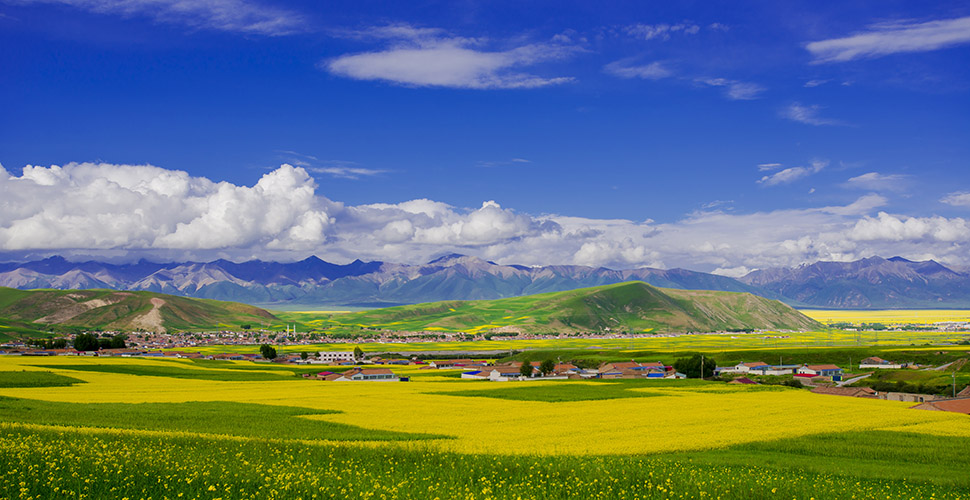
[629,306]
[158,428]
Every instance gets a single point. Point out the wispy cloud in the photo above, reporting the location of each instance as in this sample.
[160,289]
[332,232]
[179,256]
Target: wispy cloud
[660,31]
[815,83]
[429,57]
[341,169]
[763,167]
[790,175]
[652,71]
[892,38]
[808,115]
[874,181]
[503,163]
[957,199]
[347,172]
[240,16]
[711,205]
[733,89]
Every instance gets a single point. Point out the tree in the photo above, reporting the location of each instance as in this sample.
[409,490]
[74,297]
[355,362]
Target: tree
[86,342]
[526,369]
[118,341]
[267,351]
[692,366]
[358,353]
[548,366]
[304,355]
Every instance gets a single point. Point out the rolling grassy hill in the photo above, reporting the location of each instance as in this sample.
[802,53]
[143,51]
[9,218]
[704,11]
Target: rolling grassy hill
[630,306]
[27,311]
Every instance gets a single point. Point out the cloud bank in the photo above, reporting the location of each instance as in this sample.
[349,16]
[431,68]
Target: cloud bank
[88,209]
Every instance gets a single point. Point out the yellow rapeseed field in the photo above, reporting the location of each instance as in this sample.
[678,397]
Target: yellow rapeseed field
[896,316]
[672,418]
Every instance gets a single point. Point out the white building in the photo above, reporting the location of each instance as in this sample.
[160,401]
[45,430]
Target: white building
[875,362]
[335,356]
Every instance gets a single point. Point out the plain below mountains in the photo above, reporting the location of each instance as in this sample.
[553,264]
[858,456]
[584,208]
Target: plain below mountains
[865,284]
[624,307]
[38,310]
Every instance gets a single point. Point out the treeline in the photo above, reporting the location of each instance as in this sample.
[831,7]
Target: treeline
[90,342]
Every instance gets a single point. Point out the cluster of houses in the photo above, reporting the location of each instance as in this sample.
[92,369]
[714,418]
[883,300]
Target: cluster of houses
[819,373]
[629,369]
[804,372]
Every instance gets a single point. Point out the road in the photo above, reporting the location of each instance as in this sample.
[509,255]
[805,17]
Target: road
[852,380]
[942,367]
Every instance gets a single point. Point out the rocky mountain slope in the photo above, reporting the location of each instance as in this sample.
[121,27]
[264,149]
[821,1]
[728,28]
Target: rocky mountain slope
[123,310]
[872,283]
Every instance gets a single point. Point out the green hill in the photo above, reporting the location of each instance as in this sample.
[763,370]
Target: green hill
[631,306]
[116,310]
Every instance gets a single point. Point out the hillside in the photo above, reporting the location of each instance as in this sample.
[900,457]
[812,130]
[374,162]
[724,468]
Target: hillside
[629,306]
[114,310]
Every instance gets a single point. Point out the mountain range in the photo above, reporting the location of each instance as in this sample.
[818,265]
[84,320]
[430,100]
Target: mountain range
[872,283]
[868,283]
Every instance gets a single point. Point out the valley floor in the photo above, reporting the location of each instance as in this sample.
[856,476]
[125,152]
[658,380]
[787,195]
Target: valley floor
[140,428]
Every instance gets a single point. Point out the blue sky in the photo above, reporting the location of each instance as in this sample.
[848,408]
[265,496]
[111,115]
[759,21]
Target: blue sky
[716,136]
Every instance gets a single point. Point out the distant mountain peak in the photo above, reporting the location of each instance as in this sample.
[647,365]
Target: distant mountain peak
[446,258]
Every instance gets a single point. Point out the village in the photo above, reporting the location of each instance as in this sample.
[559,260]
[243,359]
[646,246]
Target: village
[826,379]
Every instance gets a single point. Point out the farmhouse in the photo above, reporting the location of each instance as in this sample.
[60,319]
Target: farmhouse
[612,368]
[877,362]
[360,374]
[957,405]
[455,363]
[335,356]
[824,370]
[742,367]
[909,397]
[852,392]
[566,369]
[773,369]
[743,380]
